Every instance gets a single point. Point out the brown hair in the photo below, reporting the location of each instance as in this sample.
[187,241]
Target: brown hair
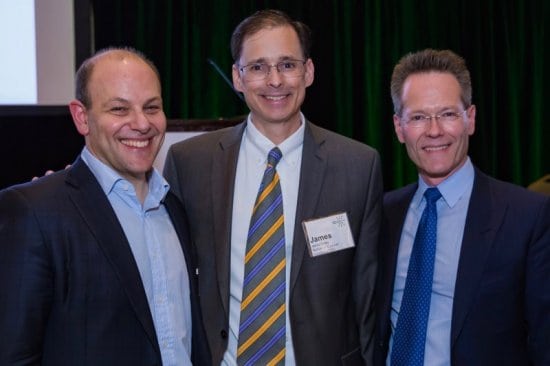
[85,70]
[268,19]
[430,60]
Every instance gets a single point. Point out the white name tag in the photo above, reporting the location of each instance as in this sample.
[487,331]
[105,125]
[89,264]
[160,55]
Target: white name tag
[328,234]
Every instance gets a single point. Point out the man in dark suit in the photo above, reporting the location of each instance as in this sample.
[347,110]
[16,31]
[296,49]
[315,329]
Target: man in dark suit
[487,300]
[96,266]
[330,185]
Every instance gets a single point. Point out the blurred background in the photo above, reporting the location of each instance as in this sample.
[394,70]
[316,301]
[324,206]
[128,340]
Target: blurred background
[355,46]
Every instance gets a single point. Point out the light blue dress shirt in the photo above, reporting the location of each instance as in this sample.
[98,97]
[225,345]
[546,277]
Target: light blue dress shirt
[251,165]
[158,254]
[451,211]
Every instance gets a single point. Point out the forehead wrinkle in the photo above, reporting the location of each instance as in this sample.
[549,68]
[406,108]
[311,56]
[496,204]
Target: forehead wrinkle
[126,101]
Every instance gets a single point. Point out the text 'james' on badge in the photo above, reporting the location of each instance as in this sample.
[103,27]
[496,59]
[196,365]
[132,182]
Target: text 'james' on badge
[328,234]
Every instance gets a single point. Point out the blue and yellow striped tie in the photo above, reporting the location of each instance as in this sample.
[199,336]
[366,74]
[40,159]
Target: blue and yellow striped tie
[262,332]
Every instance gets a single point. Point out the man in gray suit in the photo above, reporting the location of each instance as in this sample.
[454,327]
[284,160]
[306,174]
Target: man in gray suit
[331,193]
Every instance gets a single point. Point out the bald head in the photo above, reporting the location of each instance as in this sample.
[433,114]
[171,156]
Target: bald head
[84,72]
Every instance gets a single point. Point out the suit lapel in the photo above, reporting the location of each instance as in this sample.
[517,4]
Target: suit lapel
[396,206]
[224,167]
[482,222]
[97,213]
[312,172]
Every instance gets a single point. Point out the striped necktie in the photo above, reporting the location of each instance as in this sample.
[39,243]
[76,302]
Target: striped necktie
[262,325]
[409,340]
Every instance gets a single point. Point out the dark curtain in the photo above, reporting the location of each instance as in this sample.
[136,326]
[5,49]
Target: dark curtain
[356,44]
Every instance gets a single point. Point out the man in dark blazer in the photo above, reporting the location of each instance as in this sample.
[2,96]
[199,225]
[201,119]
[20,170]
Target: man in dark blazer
[329,306]
[490,295]
[80,280]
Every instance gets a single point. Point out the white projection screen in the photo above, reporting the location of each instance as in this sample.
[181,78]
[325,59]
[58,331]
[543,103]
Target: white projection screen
[38,52]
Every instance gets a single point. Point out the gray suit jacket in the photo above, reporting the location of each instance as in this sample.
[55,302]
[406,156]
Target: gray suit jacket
[330,305]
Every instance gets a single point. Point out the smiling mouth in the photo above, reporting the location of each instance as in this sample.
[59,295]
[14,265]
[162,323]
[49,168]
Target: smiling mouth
[136,143]
[436,148]
[275,97]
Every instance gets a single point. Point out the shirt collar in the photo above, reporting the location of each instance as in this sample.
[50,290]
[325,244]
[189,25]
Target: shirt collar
[108,178]
[453,187]
[262,145]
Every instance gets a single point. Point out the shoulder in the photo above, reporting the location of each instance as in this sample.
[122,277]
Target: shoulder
[505,192]
[30,201]
[397,196]
[38,190]
[525,214]
[337,143]
[207,141]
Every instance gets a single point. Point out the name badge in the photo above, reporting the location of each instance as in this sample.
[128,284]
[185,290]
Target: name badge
[328,234]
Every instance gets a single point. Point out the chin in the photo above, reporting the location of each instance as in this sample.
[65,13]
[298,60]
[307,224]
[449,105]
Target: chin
[140,169]
[438,174]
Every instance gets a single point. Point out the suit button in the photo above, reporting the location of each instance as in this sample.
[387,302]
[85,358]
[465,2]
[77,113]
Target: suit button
[223,333]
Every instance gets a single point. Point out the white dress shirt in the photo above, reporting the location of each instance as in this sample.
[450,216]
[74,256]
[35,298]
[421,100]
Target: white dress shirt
[251,165]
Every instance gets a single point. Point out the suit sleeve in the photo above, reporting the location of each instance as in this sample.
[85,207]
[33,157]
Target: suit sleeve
[366,260]
[26,282]
[537,296]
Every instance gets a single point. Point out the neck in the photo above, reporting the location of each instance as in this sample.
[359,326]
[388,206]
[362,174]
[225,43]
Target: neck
[141,186]
[277,132]
[142,193]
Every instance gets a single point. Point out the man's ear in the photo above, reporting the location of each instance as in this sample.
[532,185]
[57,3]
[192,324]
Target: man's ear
[471,121]
[237,82]
[310,72]
[398,127]
[80,117]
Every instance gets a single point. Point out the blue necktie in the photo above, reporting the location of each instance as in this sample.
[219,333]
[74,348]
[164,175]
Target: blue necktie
[410,332]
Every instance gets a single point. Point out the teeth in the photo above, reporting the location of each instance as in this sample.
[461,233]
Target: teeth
[435,148]
[278,97]
[136,143]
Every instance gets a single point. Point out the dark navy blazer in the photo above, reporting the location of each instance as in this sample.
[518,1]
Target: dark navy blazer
[70,290]
[501,309]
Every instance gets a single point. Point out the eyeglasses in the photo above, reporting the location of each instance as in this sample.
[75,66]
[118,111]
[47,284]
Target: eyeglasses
[419,120]
[259,70]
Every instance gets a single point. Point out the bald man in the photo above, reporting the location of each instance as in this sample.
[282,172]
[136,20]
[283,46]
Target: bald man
[95,263]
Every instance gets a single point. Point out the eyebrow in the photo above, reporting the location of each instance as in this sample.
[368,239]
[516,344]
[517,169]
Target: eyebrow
[121,100]
[263,60]
[153,99]
[444,108]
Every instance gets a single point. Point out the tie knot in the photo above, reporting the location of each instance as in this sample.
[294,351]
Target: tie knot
[274,157]
[432,195]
